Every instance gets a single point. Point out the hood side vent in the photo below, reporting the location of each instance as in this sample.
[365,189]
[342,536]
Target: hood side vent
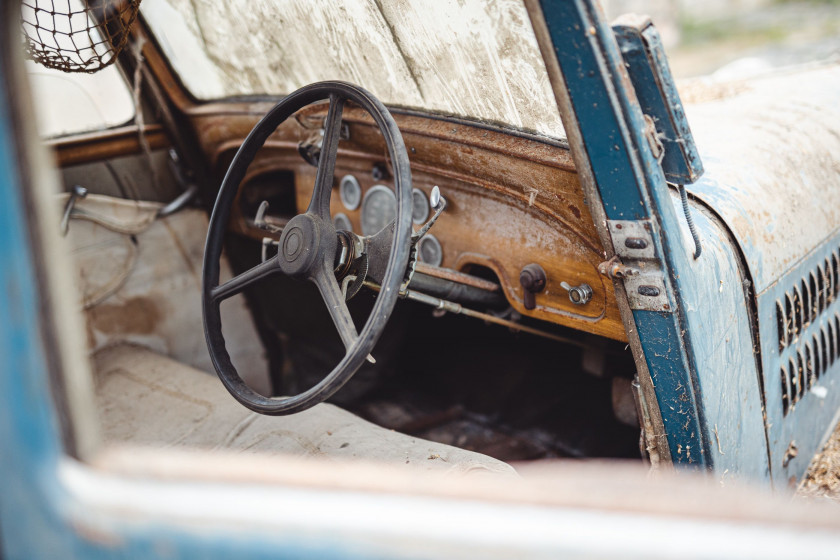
[805,357]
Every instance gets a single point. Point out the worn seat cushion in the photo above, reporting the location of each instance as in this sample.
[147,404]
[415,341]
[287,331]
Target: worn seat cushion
[146,398]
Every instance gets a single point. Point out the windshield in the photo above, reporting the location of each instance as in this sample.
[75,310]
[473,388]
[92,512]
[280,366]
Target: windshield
[470,58]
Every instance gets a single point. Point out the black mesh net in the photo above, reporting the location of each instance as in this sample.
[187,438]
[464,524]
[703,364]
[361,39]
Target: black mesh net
[74,35]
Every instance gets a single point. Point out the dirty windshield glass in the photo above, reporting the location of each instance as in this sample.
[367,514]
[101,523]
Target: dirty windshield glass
[471,58]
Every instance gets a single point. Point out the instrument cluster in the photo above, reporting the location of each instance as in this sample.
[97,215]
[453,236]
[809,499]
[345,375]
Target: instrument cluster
[379,208]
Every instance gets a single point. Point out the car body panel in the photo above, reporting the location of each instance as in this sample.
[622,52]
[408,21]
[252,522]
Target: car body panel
[718,330]
[771,170]
[691,369]
[772,175]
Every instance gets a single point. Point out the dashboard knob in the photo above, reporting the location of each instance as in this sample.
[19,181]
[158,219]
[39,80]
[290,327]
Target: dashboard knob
[434,197]
[579,295]
[532,278]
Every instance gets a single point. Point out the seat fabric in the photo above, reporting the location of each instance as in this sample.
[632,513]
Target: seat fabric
[146,398]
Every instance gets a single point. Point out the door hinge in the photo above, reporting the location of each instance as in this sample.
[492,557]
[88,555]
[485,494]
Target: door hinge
[637,264]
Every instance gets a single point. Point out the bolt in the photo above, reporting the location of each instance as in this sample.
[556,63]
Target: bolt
[379,172]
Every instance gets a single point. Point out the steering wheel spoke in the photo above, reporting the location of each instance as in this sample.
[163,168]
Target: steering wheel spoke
[336,303]
[242,281]
[337,307]
[320,202]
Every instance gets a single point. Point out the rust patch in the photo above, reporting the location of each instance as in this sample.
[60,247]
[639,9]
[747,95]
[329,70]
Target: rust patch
[138,315]
[575,210]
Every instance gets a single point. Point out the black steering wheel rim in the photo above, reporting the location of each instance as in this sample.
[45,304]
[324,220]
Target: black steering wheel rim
[213,294]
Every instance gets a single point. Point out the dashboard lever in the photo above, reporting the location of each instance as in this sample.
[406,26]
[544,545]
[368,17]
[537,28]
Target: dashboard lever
[439,205]
[260,221]
[434,197]
[533,279]
[75,194]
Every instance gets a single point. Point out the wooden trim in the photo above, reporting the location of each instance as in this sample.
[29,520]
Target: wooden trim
[155,60]
[106,144]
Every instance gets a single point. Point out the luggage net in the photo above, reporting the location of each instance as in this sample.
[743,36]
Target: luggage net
[74,35]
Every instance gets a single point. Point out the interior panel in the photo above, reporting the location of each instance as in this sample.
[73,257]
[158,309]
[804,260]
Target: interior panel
[512,199]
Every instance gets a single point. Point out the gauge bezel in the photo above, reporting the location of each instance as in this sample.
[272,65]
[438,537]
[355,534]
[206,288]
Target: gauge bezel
[342,191]
[426,206]
[370,193]
[429,238]
[342,216]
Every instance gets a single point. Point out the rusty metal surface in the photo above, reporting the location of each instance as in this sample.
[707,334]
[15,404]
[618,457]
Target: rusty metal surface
[455,276]
[771,148]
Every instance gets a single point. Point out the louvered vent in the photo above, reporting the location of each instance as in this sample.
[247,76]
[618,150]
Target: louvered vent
[808,335]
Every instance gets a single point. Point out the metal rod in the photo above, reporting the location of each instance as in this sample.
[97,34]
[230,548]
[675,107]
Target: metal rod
[179,202]
[458,309]
[455,276]
[76,193]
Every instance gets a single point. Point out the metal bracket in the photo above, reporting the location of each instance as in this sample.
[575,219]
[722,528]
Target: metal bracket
[647,291]
[632,239]
[647,287]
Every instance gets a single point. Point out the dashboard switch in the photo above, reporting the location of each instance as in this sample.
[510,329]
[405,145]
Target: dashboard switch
[579,295]
[533,281]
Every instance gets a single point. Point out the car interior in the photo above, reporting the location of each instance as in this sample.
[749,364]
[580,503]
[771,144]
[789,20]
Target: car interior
[452,268]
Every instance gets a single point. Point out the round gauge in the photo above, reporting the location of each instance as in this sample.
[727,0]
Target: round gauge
[342,222]
[350,192]
[419,206]
[429,251]
[379,208]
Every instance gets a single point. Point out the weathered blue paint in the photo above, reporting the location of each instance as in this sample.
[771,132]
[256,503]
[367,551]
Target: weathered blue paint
[716,303]
[718,334]
[28,442]
[771,179]
[802,365]
[650,74]
[586,64]
[700,354]
[631,185]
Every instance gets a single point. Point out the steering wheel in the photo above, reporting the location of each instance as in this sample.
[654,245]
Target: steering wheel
[308,245]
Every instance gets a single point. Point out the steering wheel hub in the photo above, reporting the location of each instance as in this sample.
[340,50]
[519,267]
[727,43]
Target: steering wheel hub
[302,244]
[293,244]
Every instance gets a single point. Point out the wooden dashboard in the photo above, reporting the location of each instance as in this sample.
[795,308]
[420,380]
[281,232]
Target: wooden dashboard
[512,199]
